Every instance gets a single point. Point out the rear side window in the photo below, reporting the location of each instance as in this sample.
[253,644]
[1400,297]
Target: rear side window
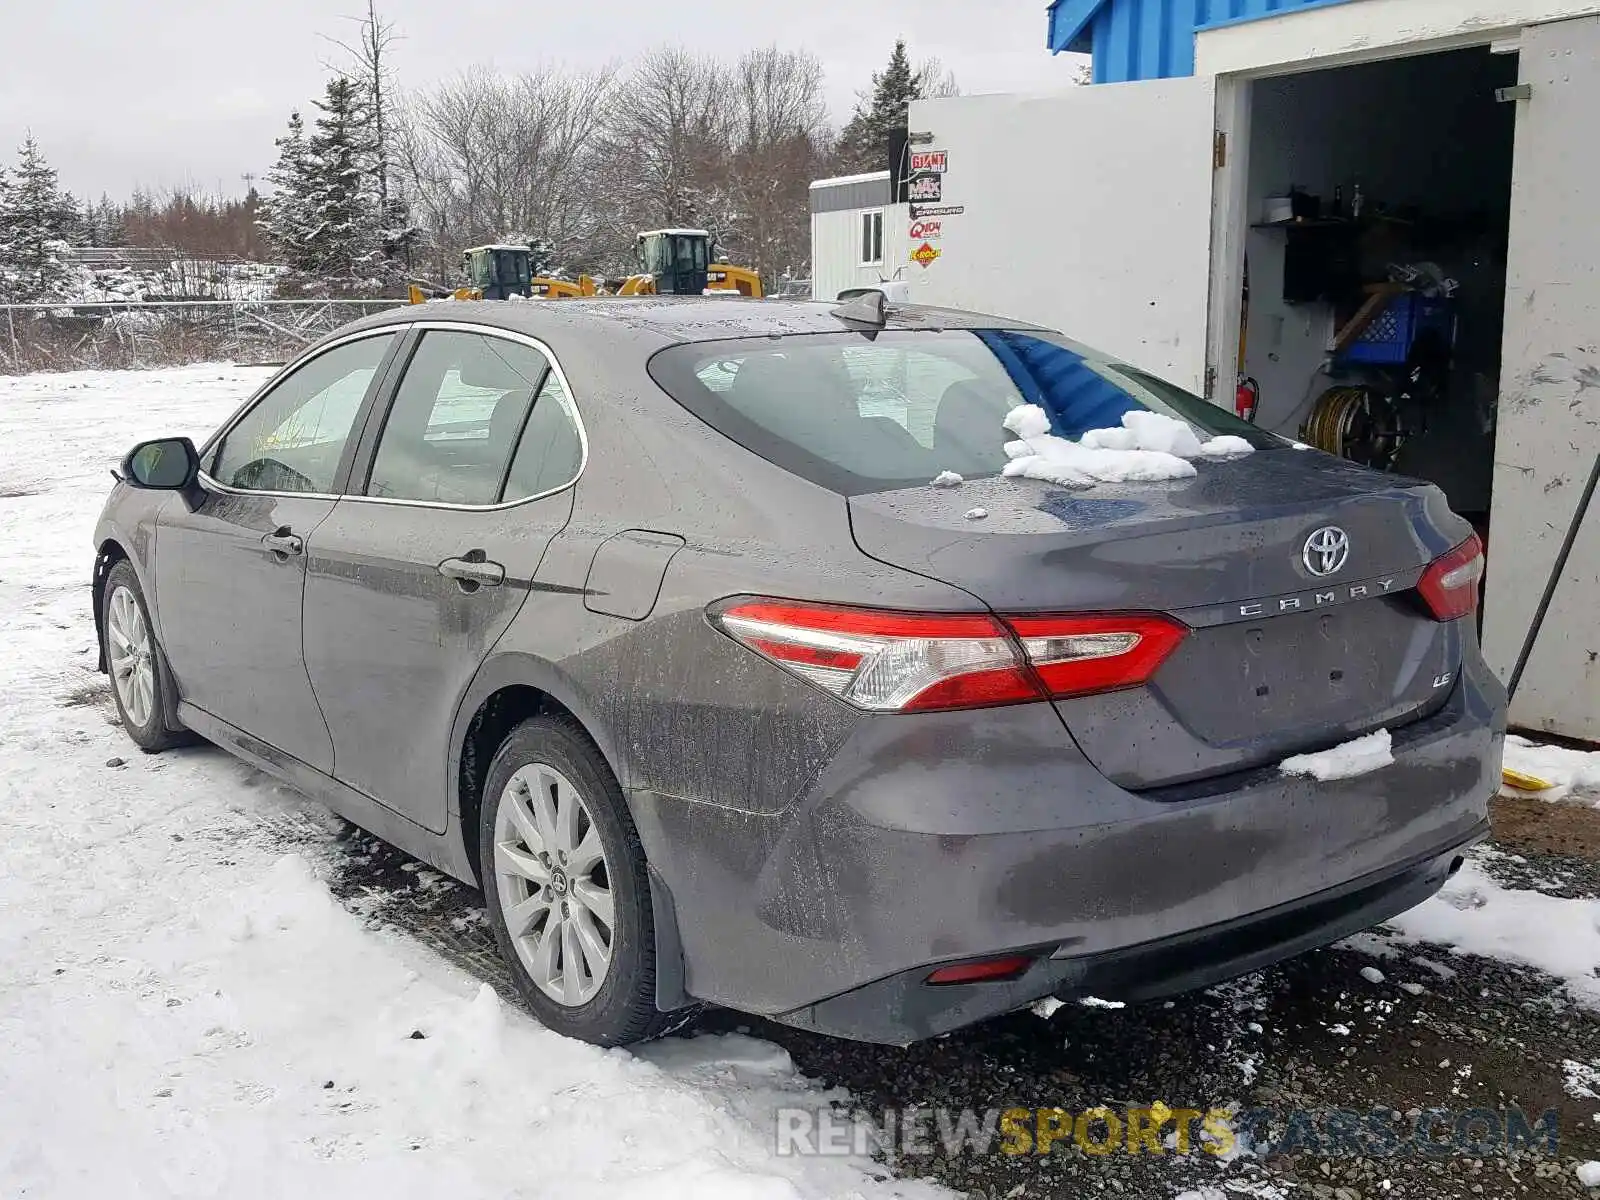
[863,413]
[550,454]
[456,419]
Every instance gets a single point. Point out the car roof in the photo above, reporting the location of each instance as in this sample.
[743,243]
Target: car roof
[658,321]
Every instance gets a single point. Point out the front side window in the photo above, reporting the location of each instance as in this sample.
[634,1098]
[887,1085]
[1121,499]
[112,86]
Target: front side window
[872,239]
[295,436]
[456,419]
[872,412]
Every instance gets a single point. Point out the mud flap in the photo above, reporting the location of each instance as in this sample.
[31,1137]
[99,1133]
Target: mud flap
[670,993]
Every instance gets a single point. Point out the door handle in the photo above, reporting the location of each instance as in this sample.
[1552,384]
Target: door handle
[283,543]
[473,571]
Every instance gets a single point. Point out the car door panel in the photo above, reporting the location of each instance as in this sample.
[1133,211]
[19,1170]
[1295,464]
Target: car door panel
[392,642]
[230,613]
[407,593]
[230,570]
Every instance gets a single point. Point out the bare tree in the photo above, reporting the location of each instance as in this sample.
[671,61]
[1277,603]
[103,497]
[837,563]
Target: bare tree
[369,65]
[486,156]
[781,144]
[935,81]
[579,162]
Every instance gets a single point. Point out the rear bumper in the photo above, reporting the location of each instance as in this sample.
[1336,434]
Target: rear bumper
[903,1008]
[967,835]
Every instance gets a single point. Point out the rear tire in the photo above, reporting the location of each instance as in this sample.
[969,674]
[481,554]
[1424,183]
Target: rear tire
[140,678]
[566,886]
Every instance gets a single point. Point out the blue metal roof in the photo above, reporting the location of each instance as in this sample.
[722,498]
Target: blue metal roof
[1151,39]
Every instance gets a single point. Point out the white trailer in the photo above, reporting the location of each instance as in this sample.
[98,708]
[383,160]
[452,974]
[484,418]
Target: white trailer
[1124,214]
[857,233]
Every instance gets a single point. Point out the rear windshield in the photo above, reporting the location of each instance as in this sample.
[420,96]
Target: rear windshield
[870,412]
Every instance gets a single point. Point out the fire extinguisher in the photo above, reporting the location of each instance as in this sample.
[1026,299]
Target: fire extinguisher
[1246,399]
[1247,395]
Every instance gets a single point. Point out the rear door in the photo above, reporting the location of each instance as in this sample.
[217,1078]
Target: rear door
[1546,440]
[230,572]
[415,575]
[1087,211]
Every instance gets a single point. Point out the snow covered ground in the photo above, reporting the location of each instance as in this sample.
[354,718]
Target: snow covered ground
[184,1008]
[1575,773]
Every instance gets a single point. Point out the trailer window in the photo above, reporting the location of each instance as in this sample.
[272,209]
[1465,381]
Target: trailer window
[863,413]
[872,238]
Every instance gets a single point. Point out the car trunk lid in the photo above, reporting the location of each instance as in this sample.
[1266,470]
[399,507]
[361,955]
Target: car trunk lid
[1279,659]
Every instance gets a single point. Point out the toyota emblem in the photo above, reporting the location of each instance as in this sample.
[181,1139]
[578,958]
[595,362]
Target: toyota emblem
[1327,550]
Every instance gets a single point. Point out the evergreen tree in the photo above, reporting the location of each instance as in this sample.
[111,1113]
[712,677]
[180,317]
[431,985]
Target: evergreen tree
[343,201]
[864,145]
[8,277]
[283,217]
[37,219]
[323,217]
[110,229]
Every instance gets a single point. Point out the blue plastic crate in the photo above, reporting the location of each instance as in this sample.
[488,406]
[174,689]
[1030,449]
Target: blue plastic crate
[1388,340]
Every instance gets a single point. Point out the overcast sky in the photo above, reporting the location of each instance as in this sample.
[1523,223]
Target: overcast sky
[152,93]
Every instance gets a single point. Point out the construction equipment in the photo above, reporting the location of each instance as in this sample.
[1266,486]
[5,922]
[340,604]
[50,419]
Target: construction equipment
[498,272]
[675,262]
[678,262]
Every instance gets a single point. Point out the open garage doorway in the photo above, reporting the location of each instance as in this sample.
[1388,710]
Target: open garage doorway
[1378,200]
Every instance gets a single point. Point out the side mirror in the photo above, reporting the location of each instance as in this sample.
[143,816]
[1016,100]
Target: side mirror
[166,464]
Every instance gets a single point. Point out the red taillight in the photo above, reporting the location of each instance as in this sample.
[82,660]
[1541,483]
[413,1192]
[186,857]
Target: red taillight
[887,662]
[900,662]
[990,970]
[1080,656]
[1449,586]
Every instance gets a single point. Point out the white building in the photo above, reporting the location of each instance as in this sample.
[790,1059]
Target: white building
[1126,213]
[858,235]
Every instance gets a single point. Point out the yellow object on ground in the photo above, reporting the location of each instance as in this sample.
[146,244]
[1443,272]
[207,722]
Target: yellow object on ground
[1524,783]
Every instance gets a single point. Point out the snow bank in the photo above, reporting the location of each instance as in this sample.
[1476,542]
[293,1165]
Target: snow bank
[1475,915]
[185,1009]
[1360,757]
[1148,448]
[1570,770]
[1589,1174]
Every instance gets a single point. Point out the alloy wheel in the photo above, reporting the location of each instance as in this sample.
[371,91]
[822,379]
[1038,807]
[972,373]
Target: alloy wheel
[553,883]
[131,656]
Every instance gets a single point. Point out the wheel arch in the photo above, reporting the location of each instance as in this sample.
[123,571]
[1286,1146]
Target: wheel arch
[109,553]
[508,690]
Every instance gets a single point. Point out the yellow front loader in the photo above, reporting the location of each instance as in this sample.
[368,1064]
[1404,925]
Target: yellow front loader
[499,272]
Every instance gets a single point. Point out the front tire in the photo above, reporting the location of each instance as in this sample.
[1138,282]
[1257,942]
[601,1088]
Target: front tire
[566,886]
[140,679]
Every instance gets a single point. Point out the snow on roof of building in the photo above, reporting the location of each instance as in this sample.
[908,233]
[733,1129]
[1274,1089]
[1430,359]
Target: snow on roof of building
[675,233]
[497,246]
[847,180]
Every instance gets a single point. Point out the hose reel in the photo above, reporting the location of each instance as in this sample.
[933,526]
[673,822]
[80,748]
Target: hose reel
[1356,423]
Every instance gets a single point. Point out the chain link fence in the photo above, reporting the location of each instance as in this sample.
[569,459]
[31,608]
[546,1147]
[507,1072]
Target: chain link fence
[133,334]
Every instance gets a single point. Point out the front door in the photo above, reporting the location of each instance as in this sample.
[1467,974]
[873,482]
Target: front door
[415,576]
[230,573]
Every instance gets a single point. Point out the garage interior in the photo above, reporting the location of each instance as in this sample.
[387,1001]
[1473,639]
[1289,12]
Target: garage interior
[1379,203]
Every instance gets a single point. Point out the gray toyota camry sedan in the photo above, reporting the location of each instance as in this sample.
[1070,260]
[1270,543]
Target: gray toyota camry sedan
[713,640]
